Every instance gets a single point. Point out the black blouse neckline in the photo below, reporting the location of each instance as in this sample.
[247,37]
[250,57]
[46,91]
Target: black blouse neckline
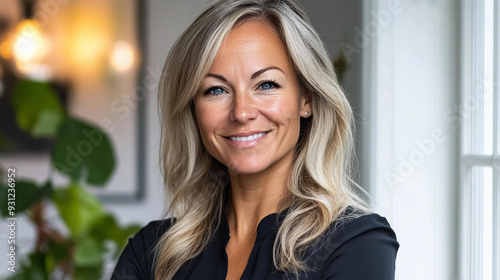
[266,225]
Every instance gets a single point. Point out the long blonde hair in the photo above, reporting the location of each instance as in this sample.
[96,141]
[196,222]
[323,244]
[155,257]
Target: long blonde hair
[319,187]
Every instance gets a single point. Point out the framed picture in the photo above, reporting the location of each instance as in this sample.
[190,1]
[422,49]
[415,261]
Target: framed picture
[90,53]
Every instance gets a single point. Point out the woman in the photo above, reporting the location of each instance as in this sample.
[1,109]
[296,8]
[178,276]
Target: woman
[256,151]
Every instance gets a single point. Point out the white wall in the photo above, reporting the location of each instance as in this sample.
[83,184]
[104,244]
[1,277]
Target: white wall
[411,75]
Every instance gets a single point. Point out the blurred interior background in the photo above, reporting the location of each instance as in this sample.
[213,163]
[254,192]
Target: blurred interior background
[421,75]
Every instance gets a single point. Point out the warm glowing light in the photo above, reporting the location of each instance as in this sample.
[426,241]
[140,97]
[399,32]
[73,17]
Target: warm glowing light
[28,45]
[89,44]
[6,48]
[34,71]
[122,56]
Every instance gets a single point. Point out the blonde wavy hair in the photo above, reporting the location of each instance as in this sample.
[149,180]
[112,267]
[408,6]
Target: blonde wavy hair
[319,187]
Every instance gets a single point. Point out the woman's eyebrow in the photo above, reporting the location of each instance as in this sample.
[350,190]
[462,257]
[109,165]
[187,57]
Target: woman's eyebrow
[254,75]
[217,76]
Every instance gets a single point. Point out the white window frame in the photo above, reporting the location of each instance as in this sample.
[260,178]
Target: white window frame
[471,205]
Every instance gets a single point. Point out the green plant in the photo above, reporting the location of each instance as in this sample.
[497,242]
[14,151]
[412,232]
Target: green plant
[83,153]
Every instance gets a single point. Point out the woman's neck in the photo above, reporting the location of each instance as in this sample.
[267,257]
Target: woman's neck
[254,196]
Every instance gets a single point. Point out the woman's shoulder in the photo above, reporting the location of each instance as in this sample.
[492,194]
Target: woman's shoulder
[354,222]
[138,255]
[156,228]
[355,239]
[148,236]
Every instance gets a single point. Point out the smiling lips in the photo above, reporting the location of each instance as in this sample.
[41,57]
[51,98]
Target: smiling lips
[248,138]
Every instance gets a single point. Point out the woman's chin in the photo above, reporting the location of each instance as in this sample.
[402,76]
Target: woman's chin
[269,163]
[246,168]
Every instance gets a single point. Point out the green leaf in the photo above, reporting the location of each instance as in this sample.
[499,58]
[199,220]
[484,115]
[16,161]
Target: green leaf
[78,209]
[5,144]
[89,252]
[56,253]
[88,272]
[126,233]
[83,150]
[108,229]
[37,270]
[33,270]
[38,110]
[26,194]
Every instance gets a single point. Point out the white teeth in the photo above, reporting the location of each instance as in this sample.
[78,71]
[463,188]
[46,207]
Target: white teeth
[248,138]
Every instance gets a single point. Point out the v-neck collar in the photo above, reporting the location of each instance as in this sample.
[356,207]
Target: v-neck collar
[266,225]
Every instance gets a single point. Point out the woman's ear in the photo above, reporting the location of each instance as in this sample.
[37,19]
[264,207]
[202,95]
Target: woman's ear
[306,105]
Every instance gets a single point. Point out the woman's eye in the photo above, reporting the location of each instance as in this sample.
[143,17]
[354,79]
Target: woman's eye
[268,86]
[214,91]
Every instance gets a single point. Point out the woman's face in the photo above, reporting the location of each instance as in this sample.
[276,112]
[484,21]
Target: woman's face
[249,107]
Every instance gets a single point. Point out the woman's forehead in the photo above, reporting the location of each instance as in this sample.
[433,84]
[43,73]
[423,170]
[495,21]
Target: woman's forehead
[251,42]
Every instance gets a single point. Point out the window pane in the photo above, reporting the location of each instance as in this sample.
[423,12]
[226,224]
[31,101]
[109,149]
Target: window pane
[489,58]
[496,80]
[496,221]
[488,223]
[479,103]
[482,186]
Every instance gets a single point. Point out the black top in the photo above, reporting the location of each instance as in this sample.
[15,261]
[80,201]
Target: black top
[362,248]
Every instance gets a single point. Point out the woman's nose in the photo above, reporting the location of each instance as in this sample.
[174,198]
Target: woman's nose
[243,108]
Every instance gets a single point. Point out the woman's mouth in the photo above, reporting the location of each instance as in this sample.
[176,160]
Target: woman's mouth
[248,138]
